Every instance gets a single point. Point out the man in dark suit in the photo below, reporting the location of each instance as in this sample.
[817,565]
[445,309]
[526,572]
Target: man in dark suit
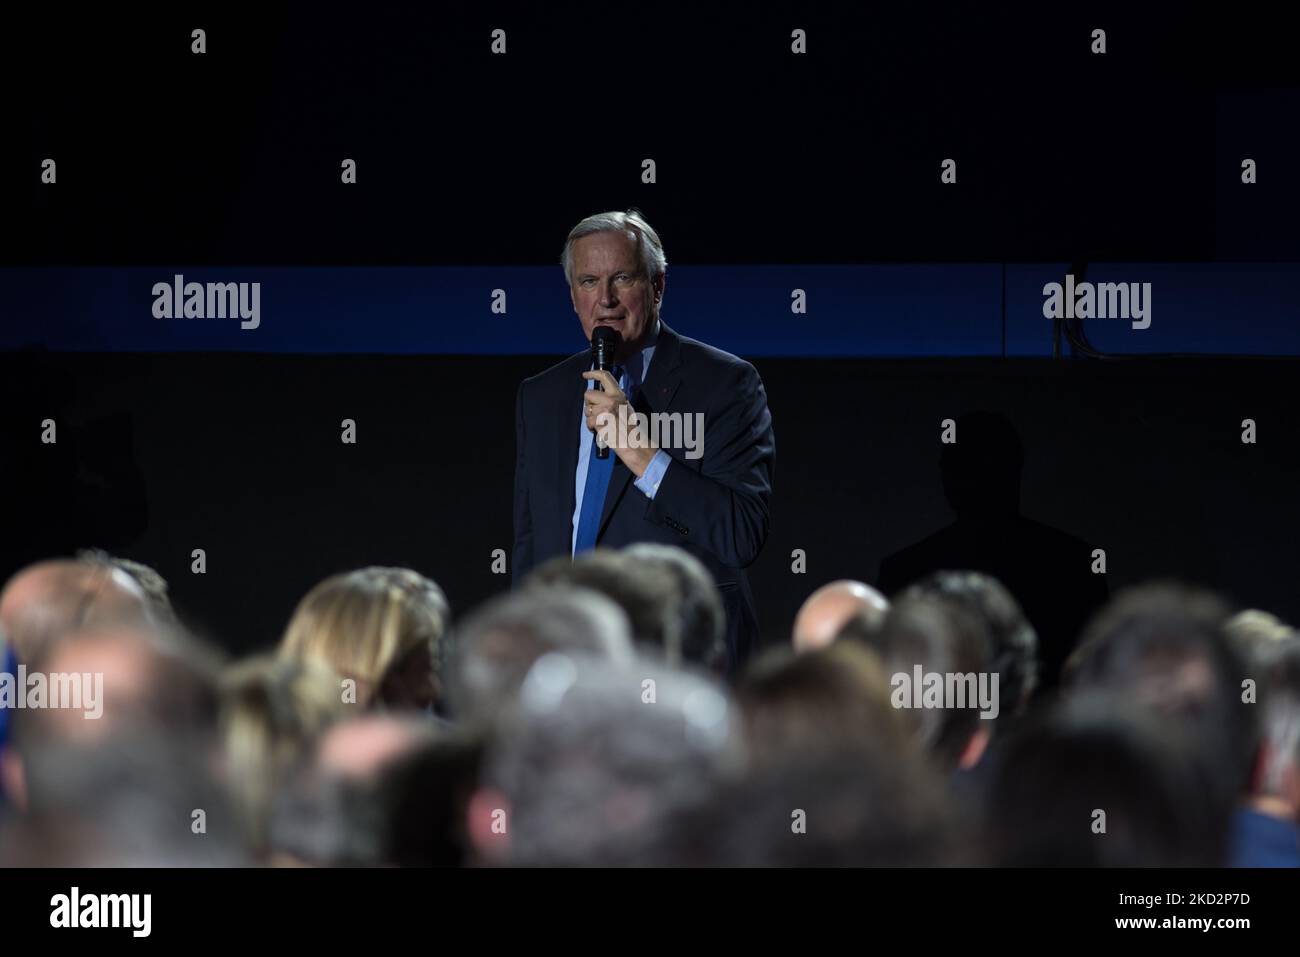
[710,498]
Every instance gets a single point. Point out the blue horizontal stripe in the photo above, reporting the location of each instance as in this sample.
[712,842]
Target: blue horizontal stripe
[863,310]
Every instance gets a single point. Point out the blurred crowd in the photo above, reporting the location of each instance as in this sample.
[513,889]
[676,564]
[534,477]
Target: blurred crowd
[593,717]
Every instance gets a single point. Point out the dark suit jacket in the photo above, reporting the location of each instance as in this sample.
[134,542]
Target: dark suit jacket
[715,506]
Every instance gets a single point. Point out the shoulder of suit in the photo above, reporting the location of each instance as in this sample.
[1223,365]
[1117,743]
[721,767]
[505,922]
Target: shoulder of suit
[691,353]
[562,371]
[695,352]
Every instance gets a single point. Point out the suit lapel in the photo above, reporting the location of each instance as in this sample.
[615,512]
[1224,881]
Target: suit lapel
[657,391]
[665,371]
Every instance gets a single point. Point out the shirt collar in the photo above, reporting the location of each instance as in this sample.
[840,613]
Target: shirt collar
[653,337]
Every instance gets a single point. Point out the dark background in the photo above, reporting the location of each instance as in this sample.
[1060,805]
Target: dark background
[763,157]
[240,455]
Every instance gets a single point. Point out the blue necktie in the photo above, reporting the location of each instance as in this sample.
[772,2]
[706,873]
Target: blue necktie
[593,493]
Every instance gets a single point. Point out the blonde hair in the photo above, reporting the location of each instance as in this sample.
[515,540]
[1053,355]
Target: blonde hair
[272,711]
[363,622]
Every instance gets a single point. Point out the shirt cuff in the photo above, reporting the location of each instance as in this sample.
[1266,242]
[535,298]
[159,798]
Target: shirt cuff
[654,474]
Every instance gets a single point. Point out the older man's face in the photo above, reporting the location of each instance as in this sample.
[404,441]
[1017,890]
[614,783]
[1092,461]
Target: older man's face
[610,288]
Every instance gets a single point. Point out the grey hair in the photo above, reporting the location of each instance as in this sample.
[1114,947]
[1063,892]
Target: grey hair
[594,775]
[496,645]
[634,225]
[701,616]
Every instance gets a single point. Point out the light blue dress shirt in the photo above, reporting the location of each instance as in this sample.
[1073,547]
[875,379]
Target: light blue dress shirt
[649,481]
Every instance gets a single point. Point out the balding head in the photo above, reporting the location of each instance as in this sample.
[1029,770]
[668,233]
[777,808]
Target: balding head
[831,607]
[105,686]
[48,600]
[147,683]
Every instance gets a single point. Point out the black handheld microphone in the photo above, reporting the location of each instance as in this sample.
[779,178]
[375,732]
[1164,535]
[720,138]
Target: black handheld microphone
[605,341]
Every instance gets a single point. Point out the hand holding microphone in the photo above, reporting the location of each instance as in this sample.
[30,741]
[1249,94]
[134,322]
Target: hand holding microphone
[604,343]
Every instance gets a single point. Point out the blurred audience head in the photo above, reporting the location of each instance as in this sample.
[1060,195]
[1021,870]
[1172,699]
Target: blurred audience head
[143,798]
[50,599]
[128,679]
[379,790]
[1012,642]
[701,617]
[496,645]
[936,655]
[1164,646]
[381,628]
[646,592]
[150,581]
[594,756]
[830,608]
[128,776]
[835,697]
[868,805]
[272,711]
[1258,634]
[1095,781]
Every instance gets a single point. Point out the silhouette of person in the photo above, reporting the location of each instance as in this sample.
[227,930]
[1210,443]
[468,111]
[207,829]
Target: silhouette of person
[1047,570]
